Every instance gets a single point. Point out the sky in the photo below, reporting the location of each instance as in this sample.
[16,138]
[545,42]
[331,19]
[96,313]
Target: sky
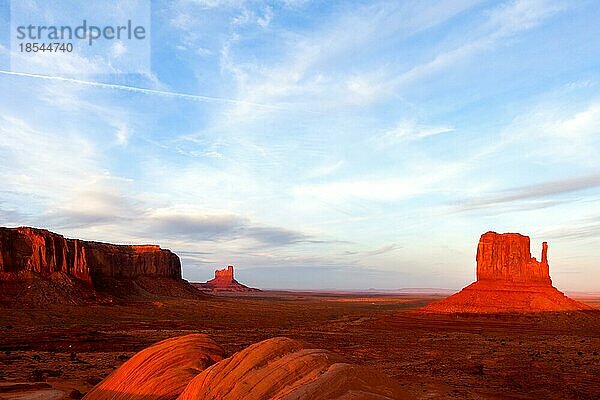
[321,144]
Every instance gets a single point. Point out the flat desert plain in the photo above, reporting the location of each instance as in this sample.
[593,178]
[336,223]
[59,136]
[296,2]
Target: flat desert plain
[495,356]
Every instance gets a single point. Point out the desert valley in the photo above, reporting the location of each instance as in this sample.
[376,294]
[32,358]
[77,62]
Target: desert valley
[86,319]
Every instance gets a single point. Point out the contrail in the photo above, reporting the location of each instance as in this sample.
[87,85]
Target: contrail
[135,89]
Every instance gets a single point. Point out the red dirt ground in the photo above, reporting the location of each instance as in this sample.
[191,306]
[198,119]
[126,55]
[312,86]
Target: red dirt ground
[539,356]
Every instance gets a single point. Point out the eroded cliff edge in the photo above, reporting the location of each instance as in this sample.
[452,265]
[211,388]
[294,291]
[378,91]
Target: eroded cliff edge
[46,263]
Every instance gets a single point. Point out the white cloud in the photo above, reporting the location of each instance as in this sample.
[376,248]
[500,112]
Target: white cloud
[582,124]
[414,183]
[122,134]
[265,20]
[215,3]
[553,131]
[504,22]
[408,130]
[298,77]
[118,49]
[520,15]
[61,162]
[325,170]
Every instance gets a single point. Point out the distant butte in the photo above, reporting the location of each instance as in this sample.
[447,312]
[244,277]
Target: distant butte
[224,281]
[509,279]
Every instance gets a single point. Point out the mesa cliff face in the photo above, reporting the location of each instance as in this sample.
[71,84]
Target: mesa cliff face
[28,254]
[118,261]
[24,250]
[509,279]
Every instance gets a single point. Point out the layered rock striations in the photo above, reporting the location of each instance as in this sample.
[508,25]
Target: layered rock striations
[224,281]
[193,367]
[509,279]
[45,259]
[161,371]
[28,250]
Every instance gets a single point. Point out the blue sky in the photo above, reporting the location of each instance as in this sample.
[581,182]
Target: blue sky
[320,144]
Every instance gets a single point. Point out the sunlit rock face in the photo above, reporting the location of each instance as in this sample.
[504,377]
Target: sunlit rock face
[224,281]
[194,367]
[44,252]
[223,277]
[509,279]
[44,266]
[162,371]
[284,369]
[506,257]
[40,251]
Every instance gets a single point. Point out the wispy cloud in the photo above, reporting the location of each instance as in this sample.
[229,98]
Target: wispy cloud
[504,22]
[408,130]
[304,68]
[203,225]
[381,189]
[587,228]
[535,191]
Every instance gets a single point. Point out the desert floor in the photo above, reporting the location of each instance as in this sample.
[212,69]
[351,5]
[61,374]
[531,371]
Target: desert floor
[542,356]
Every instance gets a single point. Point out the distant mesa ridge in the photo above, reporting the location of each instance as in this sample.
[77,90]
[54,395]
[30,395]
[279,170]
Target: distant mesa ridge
[224,281]
[509,279]
[49,261]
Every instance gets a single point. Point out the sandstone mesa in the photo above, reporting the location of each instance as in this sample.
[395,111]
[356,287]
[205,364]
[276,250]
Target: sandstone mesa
[509,279]
[39,265]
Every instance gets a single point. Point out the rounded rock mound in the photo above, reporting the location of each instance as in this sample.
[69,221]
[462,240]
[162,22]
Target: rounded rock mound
[286,369]
[161,371]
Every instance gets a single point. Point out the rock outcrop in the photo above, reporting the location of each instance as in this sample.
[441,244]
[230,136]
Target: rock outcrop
[161,371]
[509,279]
[224,281]
[24,250]
[277,369]
[32,258]
[282,368]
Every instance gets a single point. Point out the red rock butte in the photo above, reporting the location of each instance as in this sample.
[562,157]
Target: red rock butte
[509,279]
[223,277]
[224,281]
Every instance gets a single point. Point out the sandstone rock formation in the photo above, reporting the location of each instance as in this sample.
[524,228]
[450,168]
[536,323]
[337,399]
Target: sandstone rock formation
[506,257]
[224,281]
[37,250]
[509,279]
[161,371]
[40,258]
[282,368]
[279,368]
